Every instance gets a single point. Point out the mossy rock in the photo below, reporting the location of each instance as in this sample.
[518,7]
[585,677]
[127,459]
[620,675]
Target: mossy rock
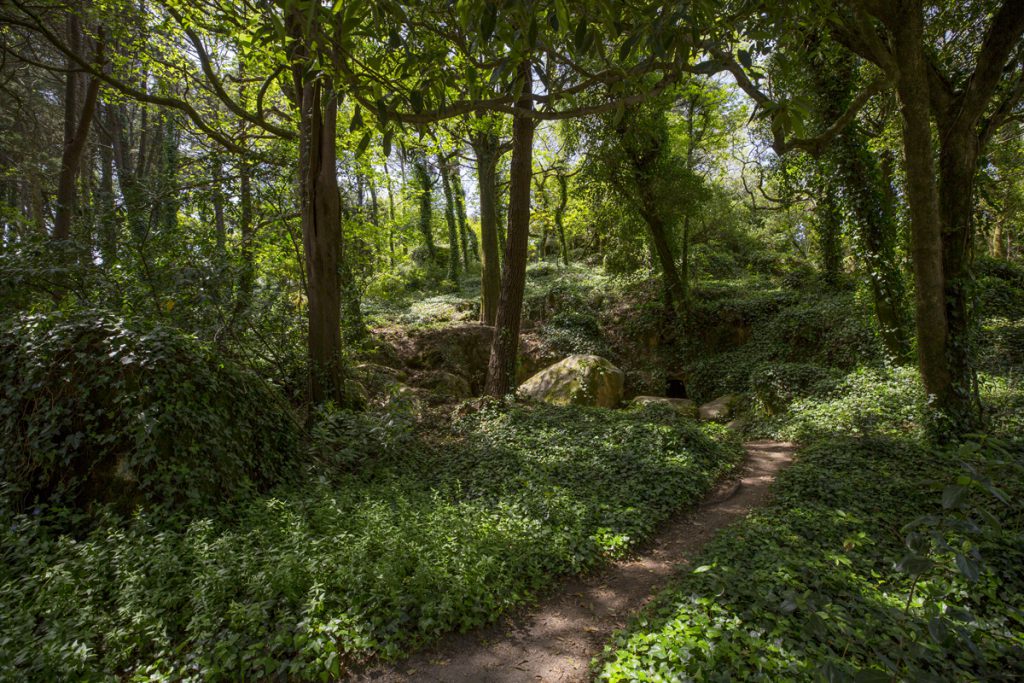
[684,406]
[580,380]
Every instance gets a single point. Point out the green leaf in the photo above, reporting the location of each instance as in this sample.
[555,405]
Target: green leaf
[416,100]
[580,38]
[363,144]
[937,630]
[386,142]
[914,564]
[872,676]
[488,20]
[562,11]
[967,566]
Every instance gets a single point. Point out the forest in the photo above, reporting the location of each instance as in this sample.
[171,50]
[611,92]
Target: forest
[512,340]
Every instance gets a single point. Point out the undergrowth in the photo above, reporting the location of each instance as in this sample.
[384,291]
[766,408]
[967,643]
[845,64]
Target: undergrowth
[821,585]
[393,540]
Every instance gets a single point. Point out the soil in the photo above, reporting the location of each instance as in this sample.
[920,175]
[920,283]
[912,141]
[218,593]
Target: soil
[554,641]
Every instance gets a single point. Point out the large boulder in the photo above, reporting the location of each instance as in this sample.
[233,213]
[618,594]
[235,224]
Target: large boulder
[578,380]
[684,406]
[720,409]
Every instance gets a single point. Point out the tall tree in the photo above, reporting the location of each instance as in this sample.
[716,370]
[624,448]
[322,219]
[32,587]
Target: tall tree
[501,368]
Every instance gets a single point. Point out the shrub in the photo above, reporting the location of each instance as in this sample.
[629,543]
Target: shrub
[94,410]
[887,401]
[776,385]
[572,331]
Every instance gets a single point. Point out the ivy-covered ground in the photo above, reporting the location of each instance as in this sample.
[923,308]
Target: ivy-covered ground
[879,559]
[393,539]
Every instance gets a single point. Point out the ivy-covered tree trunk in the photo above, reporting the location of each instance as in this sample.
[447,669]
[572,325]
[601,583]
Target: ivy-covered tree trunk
[485,147]
[563,200]
[675,297]
[466,236]
[925,218]
[501,370]
[871,200]
[107,219]
[391,218]
[245,230]
[828,225]
[874,237]
[426,202]
[449,216]
[219,223]
[958,168]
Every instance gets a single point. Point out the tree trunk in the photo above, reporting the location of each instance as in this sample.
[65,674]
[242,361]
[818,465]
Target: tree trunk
[485,147]
[674,293]
[465,234]
[958,167]
[563,200]
[77,120]
[925,218]
[449,216]
[105,203]
[220,226]
[684,262]
[828,223]
[245,229]
[391,218]
[875,237]
[426,204]
[320,210]
[501,370]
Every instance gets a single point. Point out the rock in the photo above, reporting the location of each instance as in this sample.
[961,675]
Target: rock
[719,410]
[459,349]
[580,380]
[445,384]
[684,406]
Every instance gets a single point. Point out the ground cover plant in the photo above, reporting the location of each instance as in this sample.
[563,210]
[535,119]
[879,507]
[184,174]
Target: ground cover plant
[880,558]
[392,542]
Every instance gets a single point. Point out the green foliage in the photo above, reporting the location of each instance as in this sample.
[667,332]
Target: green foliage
[775,385]
[887,401]
[819,585]
[428,537]
[1000,288]
[737,330]
[96,410]
[572,332]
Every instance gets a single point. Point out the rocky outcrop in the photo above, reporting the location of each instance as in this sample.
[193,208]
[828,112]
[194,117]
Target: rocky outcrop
[461,350]
[578,380]
[684,406]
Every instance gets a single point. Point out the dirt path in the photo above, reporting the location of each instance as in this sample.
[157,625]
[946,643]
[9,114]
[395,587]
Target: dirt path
[554,641]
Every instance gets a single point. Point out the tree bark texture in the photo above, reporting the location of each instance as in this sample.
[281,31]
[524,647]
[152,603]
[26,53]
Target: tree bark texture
[501,370]
[485,147]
